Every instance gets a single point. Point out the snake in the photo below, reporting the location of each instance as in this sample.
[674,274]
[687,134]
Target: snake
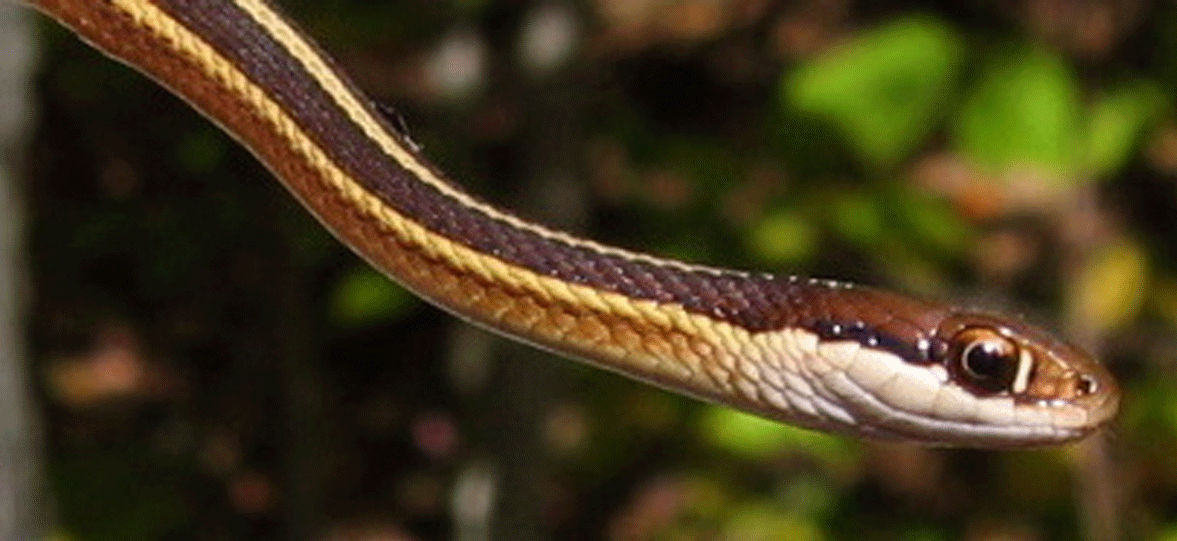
[819,354]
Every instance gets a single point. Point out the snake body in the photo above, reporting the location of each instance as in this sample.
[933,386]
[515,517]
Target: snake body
[815,353]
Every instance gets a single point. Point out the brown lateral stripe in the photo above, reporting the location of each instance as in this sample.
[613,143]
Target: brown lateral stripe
[731,297]
[791,375]
[754,302]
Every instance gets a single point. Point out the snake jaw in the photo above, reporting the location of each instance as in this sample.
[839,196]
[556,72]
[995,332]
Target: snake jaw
[893,367]
[845,387]
[1049,393]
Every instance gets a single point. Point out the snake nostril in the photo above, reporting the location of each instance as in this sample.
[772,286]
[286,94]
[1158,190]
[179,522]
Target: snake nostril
[1086,385]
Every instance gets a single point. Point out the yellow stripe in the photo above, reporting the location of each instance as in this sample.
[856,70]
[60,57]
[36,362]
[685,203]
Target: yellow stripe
[314,65]
[787,374]
[679,364]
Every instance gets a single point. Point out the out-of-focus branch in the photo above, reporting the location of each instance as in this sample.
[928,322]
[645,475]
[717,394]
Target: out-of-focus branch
[22,499]
[526,383]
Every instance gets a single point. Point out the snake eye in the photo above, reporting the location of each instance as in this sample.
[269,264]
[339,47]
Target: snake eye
[984,360]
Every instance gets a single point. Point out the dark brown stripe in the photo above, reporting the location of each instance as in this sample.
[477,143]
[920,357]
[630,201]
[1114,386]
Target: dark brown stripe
[754,302]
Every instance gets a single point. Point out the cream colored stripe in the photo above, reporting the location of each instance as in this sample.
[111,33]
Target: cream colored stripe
[808,376]
[460,257]
[314,65]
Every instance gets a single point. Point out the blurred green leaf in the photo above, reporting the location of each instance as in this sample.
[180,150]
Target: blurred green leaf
[764,523]
[908,232]
[1117,119]
[857,216]
[363,296]
[1169,533]
[784,238]
[1024,112]
[809,495]
[930,221]
[755,437]
[884,88]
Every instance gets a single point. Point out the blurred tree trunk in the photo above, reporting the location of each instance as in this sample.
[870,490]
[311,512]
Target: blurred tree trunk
[500,494]
[529,382]
[302,383]
[22,499]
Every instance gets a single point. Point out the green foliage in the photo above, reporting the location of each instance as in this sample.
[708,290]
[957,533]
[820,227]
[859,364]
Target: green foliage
[755,437]
[859,217]
[928,221]
[764,523]
[1023,112]
[829,166]
[363,297]
[1117,120]
[784,238]
[884,88]
[1027,111]
[887,89]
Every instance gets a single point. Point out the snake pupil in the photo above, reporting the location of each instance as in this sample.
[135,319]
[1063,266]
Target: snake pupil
[986,361]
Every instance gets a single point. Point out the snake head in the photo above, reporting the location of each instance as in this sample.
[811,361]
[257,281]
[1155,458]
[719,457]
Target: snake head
[1022,377]
[901,368]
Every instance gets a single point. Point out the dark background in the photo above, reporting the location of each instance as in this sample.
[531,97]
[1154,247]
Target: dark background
[210,364]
